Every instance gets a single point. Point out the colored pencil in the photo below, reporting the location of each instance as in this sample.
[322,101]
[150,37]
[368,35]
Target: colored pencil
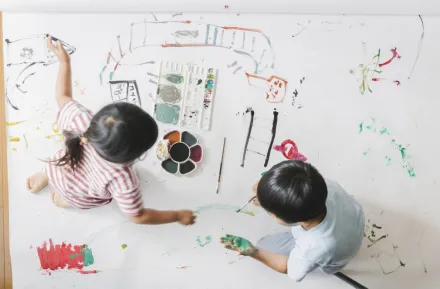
[221,165]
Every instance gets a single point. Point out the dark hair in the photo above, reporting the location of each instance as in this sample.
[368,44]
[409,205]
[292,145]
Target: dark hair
[294,191]
[119,132]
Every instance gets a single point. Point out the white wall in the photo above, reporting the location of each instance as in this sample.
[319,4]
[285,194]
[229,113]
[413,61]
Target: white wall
[326,130]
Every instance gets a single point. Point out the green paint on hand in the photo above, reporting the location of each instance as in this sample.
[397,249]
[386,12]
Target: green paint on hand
[72,257]
[238,243]
[87,256]
[263,173]
[208,239]
[124,246]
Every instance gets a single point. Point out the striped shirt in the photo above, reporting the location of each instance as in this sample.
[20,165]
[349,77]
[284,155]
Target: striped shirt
[95,181]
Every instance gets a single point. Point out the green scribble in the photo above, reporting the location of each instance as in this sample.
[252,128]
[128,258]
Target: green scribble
[174,78]
[222,207]
[238,243]
[111,75]
[366,152]
[411,172]
[124,246]
[387,160]
[87,256]
[208,239]
[72,257]
[400,148]
[102,72]
[384,130]
[361,127]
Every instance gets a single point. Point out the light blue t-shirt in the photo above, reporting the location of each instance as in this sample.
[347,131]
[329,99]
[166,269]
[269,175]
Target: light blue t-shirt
[334,242]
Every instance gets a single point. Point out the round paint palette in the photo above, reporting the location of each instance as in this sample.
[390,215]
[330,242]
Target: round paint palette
[180,152]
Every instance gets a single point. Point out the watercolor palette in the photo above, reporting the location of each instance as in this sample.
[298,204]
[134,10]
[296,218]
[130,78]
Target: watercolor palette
[180,152]
[185,95]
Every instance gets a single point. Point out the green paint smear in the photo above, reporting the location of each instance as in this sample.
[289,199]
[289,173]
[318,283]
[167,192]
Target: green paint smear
[222,207]
[73,256]
[124,246]
[208,239]
[102,72]
[387,160]
[400,148]
[111,75]
[87,256]
[384,130]
[411,172]
[361,127]
[243,245]
[174,78]
[167,113]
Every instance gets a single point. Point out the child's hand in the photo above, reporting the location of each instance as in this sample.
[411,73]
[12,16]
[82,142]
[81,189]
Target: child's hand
[238,244]
[186,217]
[58,50]
[254,192]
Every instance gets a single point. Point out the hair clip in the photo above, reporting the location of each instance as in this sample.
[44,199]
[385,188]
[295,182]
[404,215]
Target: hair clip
[83,141]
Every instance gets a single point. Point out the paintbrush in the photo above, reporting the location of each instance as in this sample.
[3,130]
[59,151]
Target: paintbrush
[221,165]
[247,203]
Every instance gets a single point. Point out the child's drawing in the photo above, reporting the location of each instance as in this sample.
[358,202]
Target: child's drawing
[276,86]
[24,56]
[369,71]
[125,90]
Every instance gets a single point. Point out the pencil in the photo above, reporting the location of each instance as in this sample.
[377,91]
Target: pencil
[221,165]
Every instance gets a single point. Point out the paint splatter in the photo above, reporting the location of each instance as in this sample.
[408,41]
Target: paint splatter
[64,256]
[14,123]
[14,139]
[124,246]
[387,160]
[394,56]
[207,240]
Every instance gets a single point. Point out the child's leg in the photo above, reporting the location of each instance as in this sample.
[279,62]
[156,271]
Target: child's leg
[281,243]
[37,182]
[60,201]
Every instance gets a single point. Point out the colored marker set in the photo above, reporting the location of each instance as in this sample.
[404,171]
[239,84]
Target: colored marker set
[180,152]
[185,95]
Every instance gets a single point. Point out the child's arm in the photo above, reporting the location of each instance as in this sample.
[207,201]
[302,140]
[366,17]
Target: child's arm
[273,260]
[64,80]
[154,217]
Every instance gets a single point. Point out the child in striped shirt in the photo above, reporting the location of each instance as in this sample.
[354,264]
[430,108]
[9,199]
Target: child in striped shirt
[96,165]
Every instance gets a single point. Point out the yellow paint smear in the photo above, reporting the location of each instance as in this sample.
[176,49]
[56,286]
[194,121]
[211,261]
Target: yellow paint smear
[38,128]
[55,128]
[14,149]
[14,139]
[13,123]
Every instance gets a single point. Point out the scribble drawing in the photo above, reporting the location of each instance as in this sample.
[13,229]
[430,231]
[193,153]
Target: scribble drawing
[249,43]
[256,142]
[368,71]
[379,256]
[276,86]
[371,126]
[125,91]
[419,48]
[24,57]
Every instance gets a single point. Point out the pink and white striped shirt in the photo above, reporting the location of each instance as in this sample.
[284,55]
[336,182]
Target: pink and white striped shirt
[95,181]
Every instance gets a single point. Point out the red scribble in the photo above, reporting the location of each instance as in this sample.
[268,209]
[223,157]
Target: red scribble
[241,28]
[89,272]
[397,82]
[60,256]
[375,79]
[116,65]
[226,6]
[289,150]
[395,55]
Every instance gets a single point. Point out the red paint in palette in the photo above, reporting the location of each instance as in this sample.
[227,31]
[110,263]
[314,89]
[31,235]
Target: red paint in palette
[60,256]
[196,153]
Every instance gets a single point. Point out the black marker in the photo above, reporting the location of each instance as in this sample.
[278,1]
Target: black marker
[53,38]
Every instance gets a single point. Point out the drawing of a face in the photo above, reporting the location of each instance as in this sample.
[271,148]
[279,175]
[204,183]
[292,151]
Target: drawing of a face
[27,53]
[277,89]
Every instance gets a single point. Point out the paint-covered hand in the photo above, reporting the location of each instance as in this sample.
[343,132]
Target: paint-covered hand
[186,217]
[238,244]
[58,50]
[254,192]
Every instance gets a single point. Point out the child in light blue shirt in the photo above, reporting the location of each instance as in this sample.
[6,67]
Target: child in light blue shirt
[327,224]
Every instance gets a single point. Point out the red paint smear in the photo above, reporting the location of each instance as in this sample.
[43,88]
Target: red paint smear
[395,55]
[397,82]
[290,151]
[58,256]
[241,29]
[226,6]
[375,79]
[89,272]
[196,153]
[116,66]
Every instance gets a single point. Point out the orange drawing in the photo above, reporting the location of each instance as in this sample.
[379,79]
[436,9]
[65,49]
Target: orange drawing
[276,86]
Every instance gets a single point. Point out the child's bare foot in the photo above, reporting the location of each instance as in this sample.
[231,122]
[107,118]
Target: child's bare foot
[37,182]
[59,201]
